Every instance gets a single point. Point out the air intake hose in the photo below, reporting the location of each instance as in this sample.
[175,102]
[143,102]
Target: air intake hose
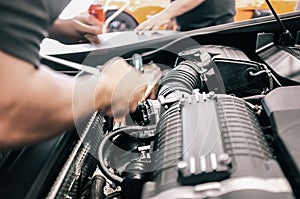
[183,79]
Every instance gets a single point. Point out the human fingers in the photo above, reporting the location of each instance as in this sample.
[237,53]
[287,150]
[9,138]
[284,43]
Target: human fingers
[127,104]
[171,25]
[127,87]
[155,28]
[116,65]
[89,19]
[87,28]
[114,74]
[139,29]
[136,97]
[145,26]
[89,33]
[94,39]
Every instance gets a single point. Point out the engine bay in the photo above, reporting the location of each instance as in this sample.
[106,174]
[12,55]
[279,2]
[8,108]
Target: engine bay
[224,123]
[213,131]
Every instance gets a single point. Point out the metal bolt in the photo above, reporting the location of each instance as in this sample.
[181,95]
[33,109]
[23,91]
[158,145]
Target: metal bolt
[224,159]
[182,166]
[211,94]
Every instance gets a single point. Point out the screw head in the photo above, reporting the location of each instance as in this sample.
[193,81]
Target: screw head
[181,165]
[224,159]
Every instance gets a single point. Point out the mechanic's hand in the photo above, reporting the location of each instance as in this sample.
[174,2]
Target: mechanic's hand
[80,29]
[172,25]
[153,23]
[120,88]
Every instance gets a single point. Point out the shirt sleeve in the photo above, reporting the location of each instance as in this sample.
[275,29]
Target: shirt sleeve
[24,23]
[54,8]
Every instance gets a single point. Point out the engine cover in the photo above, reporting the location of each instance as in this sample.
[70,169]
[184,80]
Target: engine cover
[211,145]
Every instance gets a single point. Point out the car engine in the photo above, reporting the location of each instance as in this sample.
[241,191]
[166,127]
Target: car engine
[218,128]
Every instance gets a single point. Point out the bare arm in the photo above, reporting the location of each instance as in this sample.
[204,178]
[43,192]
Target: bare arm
[174,9]
[28,97]
[36,104]
[179,7]
[297,5]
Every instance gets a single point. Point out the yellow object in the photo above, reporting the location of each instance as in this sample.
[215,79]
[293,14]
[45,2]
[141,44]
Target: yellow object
[141,10]
[246,8]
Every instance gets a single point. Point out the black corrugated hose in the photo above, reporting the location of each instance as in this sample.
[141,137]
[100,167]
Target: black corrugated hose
[183,78]
[97,186]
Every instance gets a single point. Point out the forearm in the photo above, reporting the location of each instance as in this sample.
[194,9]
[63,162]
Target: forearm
[35,104]
[179,7]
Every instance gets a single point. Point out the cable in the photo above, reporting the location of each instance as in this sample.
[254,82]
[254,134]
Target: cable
[103,168]
[113,195]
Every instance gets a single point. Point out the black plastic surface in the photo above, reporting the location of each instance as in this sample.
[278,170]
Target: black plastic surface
[29,172]
[283,107]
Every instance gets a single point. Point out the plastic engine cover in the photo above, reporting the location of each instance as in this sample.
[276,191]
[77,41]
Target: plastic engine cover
[212,146]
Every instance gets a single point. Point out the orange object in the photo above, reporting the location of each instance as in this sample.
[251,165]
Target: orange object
[97,11]
[140,10]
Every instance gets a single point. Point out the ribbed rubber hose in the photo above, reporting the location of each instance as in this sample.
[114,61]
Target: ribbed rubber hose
[183,78]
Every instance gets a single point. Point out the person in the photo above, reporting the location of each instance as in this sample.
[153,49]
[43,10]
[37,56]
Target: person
[36,103]
[191,14]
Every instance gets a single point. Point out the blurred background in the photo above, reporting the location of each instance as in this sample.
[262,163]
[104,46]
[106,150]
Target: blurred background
[136,11]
